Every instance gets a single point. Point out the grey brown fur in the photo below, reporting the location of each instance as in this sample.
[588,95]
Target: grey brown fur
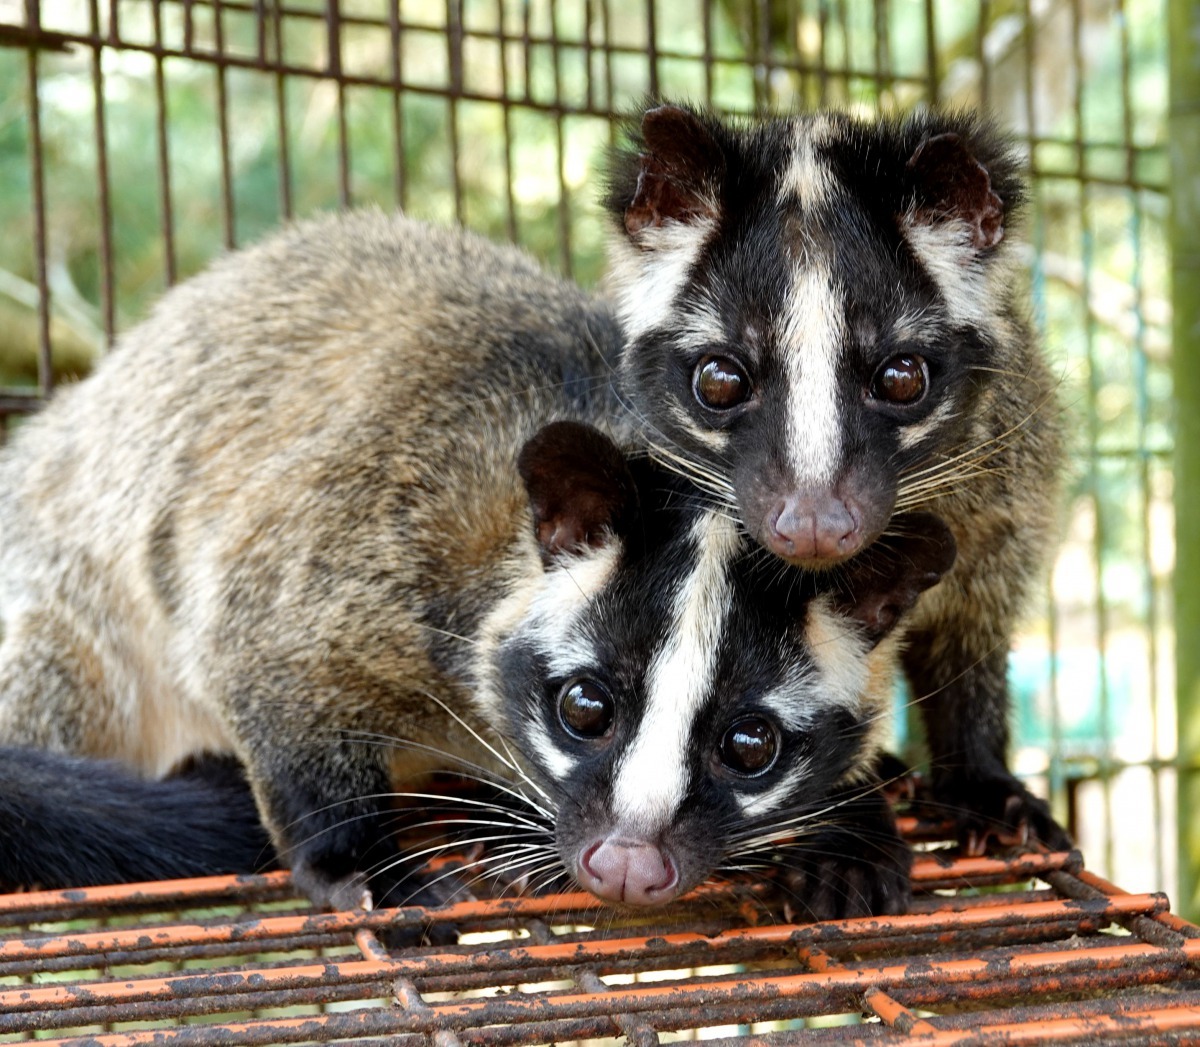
[174,561]
[360,501]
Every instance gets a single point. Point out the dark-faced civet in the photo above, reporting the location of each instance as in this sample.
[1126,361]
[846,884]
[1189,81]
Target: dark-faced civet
[368,481]
[825,328]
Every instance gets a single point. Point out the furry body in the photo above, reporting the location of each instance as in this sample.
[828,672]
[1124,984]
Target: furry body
[824,329]
[350,487]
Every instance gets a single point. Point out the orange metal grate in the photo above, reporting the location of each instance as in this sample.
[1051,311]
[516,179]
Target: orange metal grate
[236,960]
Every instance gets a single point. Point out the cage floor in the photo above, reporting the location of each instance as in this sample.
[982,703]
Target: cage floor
[1015,948]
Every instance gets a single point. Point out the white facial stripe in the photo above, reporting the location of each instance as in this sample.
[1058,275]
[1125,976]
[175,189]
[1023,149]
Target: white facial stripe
[700,324]
[795,702]
[565,588]
[911,435]
[910,326]
[806,179]
[839,651]
[944,248]
[717,439]
[546,608]
[648,274]
[811,343]
[651,778]
[558,763]
[753,804]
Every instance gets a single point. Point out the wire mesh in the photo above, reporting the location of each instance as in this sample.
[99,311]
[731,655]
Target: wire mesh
[236,960]
[139,138]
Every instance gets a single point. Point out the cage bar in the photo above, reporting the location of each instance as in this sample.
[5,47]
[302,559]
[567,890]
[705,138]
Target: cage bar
[1185,222]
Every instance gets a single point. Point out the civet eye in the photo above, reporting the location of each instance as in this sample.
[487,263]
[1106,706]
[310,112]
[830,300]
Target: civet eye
[719,383]
[901,380]
[749,746]
[585,709]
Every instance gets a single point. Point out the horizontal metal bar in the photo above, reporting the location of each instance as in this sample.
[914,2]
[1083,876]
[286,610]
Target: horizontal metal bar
[507,963]
[926,872]
[705,1002]
[38,39]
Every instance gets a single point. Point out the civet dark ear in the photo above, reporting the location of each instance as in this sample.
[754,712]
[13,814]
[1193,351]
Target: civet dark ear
[678,171]
[951,184]
[881,584]
[580,488]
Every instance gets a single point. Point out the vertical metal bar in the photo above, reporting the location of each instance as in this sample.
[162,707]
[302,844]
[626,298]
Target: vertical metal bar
[223,127]
[400,172]
[281,117]
[33,19]
[823,71]
[883,55]
[844,24]
[104,197]
[260,31]
[708,49]
[589,99]
[1100,531]
[1057,777]
[1143,406]
[510,202]
[454,42]
[981,31]
[1183,143]
[797,62]
[164,155]
[760,27]
[560,146]
[606,29]
[527,47]
[932,66]
[651,46]
[333,21]
[189,26]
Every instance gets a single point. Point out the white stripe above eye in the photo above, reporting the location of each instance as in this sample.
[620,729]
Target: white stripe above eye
[811,345]
[651,779]
[648,274]
[944,249]
[545,606]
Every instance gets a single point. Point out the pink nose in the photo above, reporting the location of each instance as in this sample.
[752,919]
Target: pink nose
[631,871]
[812,527]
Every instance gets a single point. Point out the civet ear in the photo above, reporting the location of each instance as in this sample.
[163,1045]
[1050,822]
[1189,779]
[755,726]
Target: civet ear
[678,171]
[580,489]
[950,184]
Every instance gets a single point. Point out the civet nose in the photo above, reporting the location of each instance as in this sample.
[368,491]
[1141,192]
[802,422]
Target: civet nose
[808,527]
[635,872]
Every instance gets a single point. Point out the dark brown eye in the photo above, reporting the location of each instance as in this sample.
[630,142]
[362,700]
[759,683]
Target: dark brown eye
[585,710]
[901,380]
[719,383]
[749,746]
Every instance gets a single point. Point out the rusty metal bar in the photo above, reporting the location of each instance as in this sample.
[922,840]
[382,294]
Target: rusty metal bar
[514,962]
[220,71]
[38,186]
[104,196]
[166,207]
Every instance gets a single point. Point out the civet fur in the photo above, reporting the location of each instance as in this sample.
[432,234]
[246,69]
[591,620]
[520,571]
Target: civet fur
[825,327]
[360,501]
